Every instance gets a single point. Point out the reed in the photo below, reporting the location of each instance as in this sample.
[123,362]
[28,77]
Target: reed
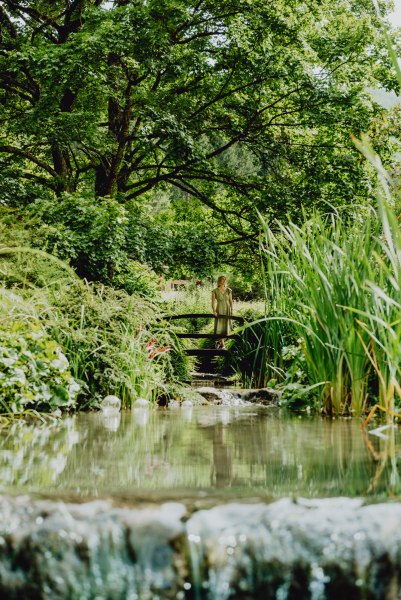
[317,275]
[258,356]
[381,321]
[338,282]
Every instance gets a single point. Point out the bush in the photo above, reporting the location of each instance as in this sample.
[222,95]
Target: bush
[91,235]
[34,372]
[86,232]
[137,278]
[108,338]
[96,326]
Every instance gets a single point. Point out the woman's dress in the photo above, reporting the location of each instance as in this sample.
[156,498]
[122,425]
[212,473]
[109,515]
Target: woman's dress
[222,326]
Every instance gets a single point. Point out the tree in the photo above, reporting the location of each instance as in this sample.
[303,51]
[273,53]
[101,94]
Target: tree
[120,98]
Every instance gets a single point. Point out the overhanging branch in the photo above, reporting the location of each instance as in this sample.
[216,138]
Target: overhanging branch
[28,155]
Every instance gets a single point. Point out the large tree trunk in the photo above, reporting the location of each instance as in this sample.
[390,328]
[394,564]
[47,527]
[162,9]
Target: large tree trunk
[107,174]
[101,181]
[62,166]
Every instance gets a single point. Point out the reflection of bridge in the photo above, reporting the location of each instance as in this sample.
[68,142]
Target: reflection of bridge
[210,336]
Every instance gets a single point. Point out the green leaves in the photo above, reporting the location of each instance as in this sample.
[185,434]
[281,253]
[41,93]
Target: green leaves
[34,372]
[117,100]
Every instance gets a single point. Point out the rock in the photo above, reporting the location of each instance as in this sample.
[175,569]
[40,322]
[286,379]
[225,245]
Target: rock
[216,395]
[91,550]
[265,396]
[209,393]
[110,404]
[141,403]
[319,549]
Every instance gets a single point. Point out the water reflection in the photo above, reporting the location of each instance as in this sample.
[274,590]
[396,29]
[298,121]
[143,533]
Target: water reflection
[111,422]
[222,459]
[237,451]
[141,416]
[385,454]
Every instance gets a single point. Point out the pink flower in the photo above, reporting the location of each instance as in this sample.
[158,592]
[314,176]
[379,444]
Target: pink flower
[159,350]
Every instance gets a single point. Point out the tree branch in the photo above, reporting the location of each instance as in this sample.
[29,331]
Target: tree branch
[250,236]
[29,156]
[32,12]
[14,90]
[6,21]
[38,179]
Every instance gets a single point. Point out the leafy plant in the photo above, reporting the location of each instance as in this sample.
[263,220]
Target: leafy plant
[318,271]
[34,372]
[96,326]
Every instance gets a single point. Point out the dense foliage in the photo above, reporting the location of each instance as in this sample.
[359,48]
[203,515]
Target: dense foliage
[34,372]
[65,344]
[240,106]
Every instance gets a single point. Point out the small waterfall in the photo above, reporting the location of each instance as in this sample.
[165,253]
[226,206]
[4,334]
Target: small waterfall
[315,550]
[56,551]
[287,550]
[196,557]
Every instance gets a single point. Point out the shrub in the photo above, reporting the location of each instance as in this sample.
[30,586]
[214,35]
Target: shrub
[34,372]
[96,326]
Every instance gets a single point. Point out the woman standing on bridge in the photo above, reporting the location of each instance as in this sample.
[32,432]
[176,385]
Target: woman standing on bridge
[222,305]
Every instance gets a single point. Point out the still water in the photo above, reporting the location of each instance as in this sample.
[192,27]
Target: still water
[218,452]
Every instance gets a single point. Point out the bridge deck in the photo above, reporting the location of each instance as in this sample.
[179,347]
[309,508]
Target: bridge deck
[210,336]
[206,351]
[204,316]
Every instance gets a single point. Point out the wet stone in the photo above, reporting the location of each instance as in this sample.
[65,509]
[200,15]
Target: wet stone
[311,550]
[264,396]
[234,397]
[217,396]
[305,549]
[91,550]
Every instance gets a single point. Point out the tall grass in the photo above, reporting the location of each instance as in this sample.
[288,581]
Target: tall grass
[258,354]
[338,281]
[382,320]
[316,274]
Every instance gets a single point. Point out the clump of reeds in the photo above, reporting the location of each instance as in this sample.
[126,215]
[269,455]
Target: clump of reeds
[317,275]
[338,281]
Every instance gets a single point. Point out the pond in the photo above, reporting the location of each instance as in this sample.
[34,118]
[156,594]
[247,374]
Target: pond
[199,453]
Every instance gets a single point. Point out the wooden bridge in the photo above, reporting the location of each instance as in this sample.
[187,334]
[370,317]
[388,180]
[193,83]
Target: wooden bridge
[205,352]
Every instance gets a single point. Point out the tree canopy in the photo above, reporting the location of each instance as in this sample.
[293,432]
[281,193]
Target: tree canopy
[244,105]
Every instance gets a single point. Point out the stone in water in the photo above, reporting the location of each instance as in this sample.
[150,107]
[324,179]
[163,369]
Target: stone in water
[110,405]
[141,403]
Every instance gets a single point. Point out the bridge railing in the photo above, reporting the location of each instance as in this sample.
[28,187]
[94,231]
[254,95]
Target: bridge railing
[240,320]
